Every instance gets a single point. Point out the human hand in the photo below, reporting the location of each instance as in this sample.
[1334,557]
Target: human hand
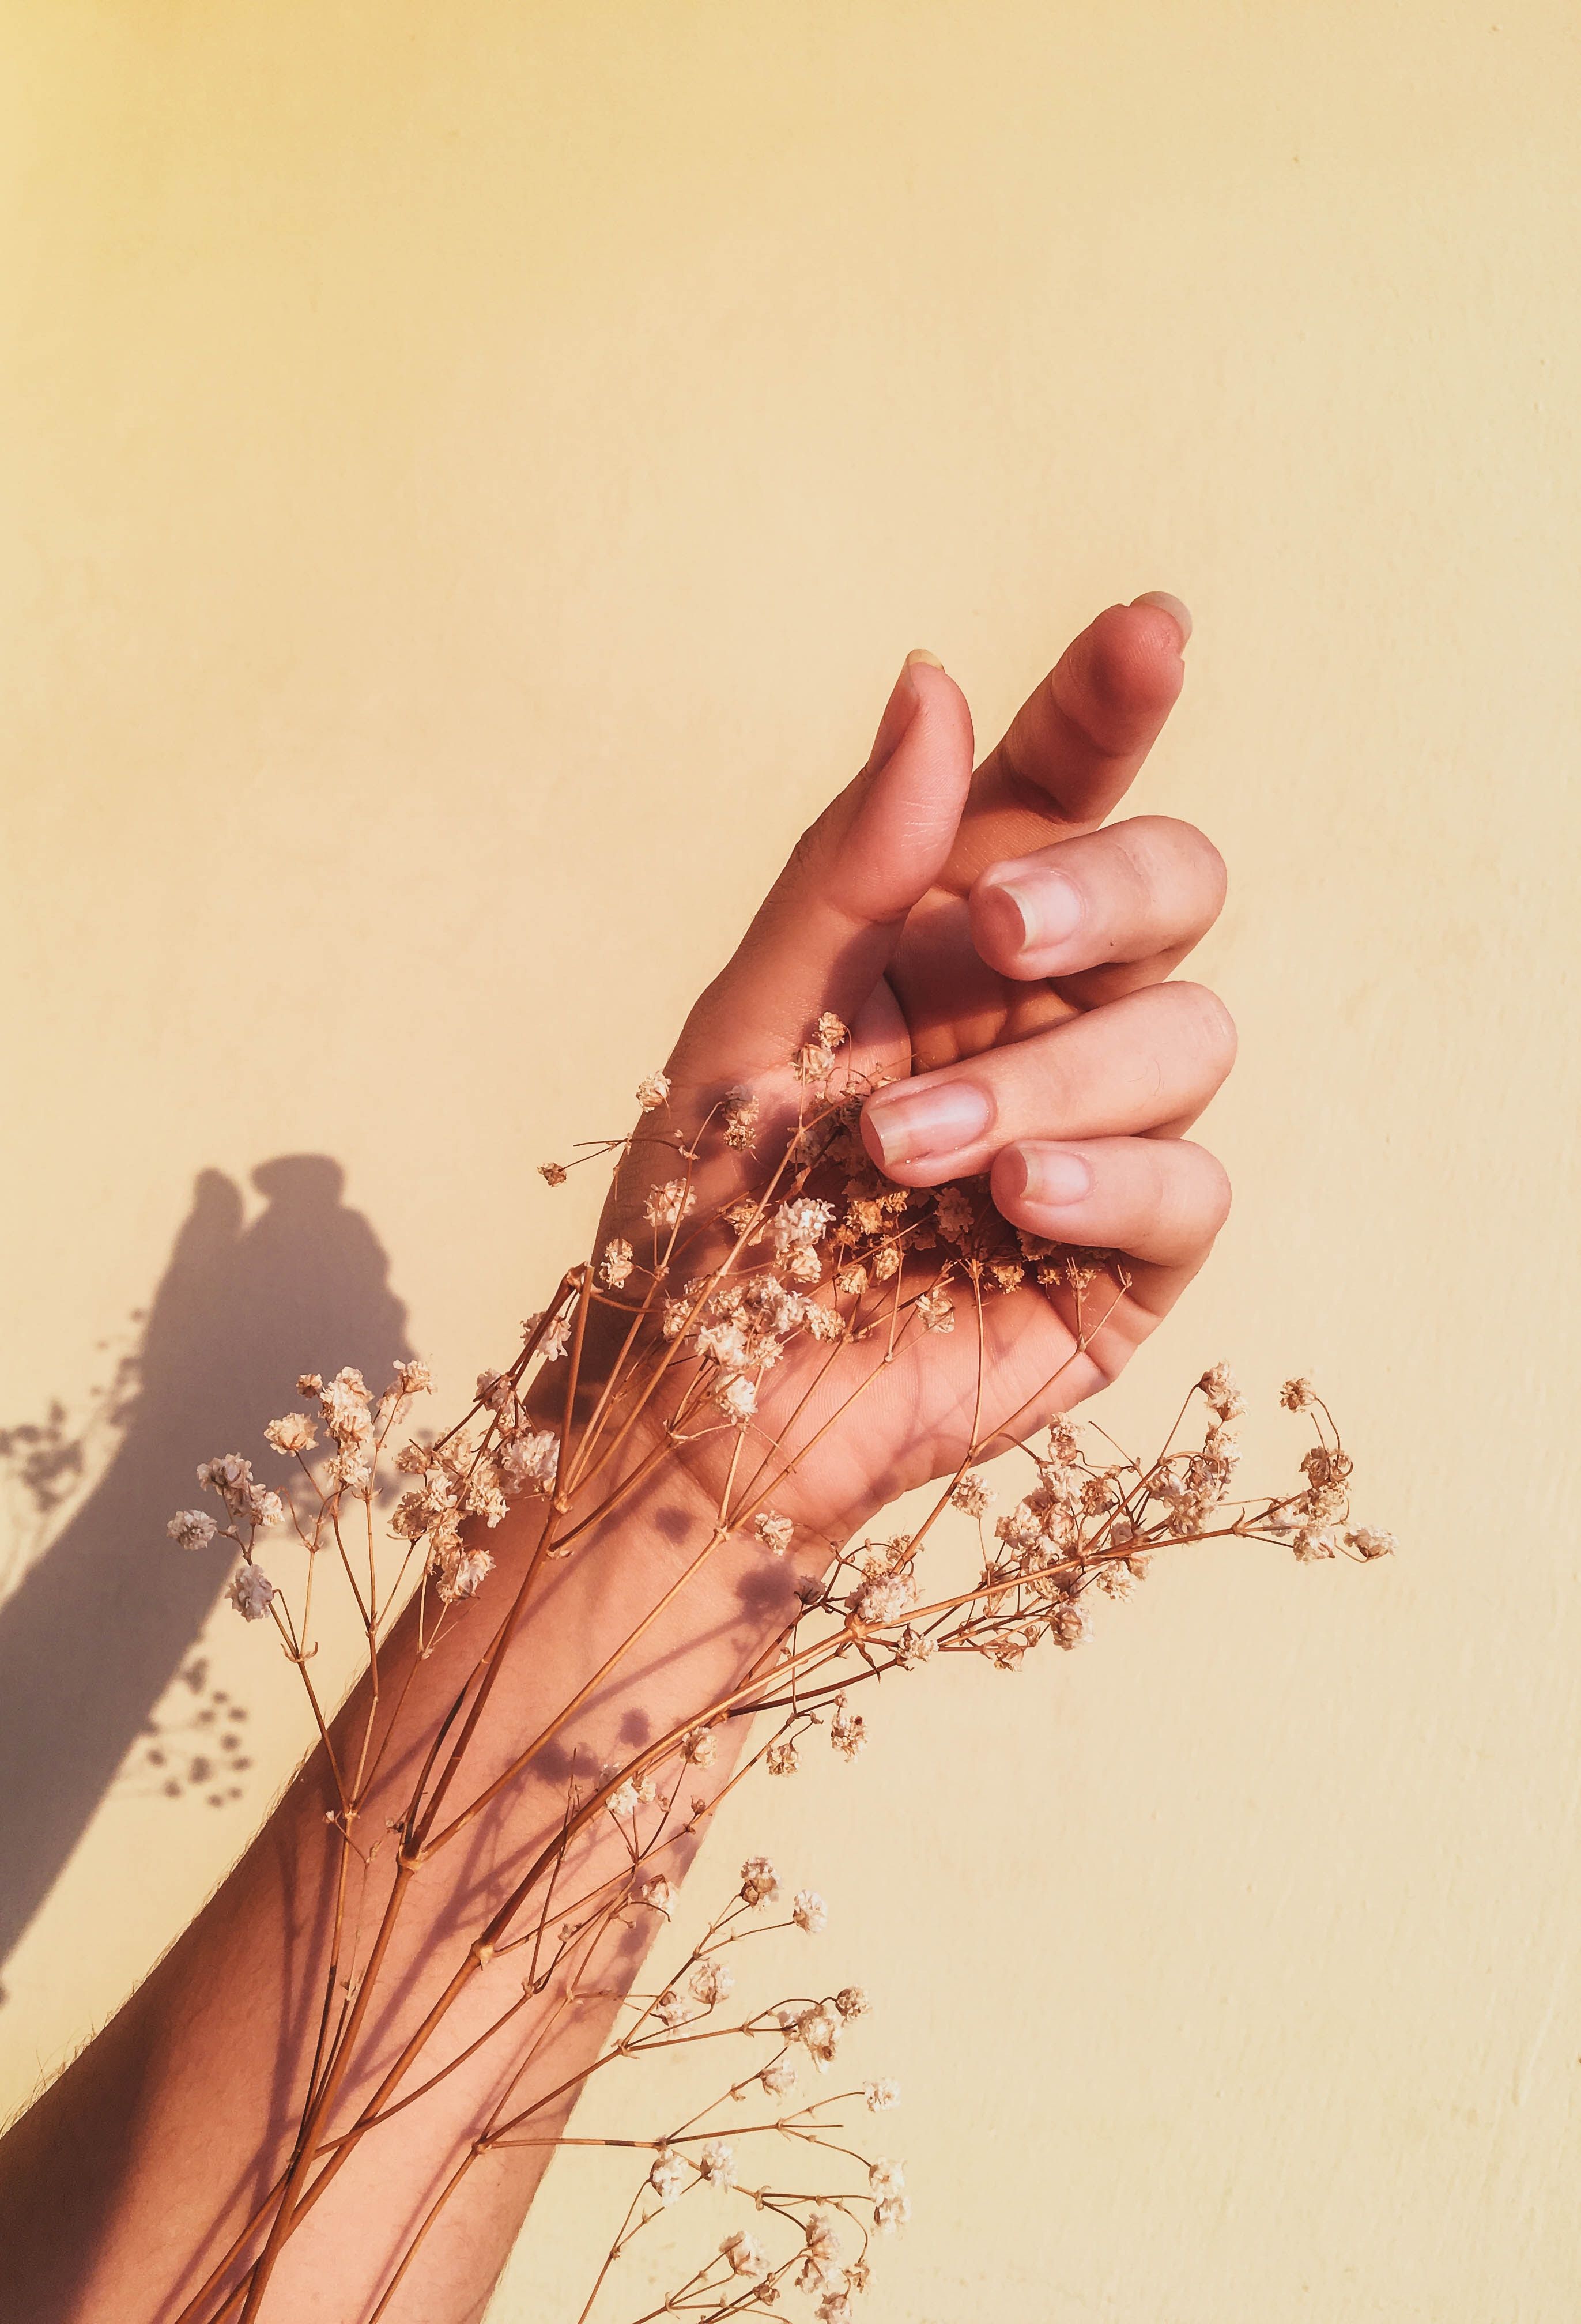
[1002,956]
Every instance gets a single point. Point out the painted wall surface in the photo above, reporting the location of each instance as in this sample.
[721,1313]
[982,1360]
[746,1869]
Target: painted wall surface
[472,474]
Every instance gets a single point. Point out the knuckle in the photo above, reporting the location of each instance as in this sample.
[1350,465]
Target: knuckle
[1214,1194]
[1041,1084]
[1189,1197]
[1207,1023]
[809,856]
[1175,866]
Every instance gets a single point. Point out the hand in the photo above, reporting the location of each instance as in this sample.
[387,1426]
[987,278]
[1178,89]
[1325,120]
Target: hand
[1002,957]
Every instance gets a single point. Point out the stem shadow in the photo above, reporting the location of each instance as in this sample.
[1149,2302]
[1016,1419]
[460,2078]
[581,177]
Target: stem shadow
[103,1620]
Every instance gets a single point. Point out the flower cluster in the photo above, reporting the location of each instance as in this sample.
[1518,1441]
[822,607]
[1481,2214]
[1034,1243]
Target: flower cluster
[760,1252]
[812,2241]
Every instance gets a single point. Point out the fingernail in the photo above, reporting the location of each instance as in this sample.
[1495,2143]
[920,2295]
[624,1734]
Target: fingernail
[922,654]
[1179,612]
[1034,909]
[1055,1176]
[906,1124]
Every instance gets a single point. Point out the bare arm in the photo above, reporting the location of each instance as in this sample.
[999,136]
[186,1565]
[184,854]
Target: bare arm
[253,2114]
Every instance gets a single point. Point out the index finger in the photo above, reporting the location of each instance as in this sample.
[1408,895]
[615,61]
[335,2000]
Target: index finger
[1073,749]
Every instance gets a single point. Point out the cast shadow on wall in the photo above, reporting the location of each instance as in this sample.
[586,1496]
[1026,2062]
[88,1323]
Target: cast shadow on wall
[107,1616]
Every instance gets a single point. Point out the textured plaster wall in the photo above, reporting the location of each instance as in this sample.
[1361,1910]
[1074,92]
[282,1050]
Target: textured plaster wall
[472,472]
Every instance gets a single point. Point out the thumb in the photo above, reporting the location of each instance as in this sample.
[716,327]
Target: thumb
[824,934]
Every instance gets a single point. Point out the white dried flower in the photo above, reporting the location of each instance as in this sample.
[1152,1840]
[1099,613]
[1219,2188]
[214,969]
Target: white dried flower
[264,1507]
[801,1225]
[193,1528]
[1297,1395]
[668,2178]
[888,1598]
[460,1576]
[309,1384]
[658,1894]
[623,1802]
[780,2079]
[616,1265]
[652,1091]
[889,2212]
[667,1205]
[1312,1543]
[712,1982]
[736,1397]
[1068,1625]
[851,2002]
[914,1648]
[528,1462]
[556,1339]
[809,1912]
[819,2032]
[773,1531]
[972,1495]
[782,1757]
[745,2258]
[230,1476]
[345,1406]
[882,2095]
[251,1593]
[294,1433]
[823,2239]
[886,2178]
[699,1746]
[411,1517]
[352,1469]
[1020,1529]
[1217,1384]
[412,1377]
[935,1309]
[847,1729]
[760,1883]
[740,1116]
[1368,1543]
[717,2164]
[726,1344]
[834,2308]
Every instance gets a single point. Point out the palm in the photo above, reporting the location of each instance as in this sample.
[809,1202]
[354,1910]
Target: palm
[853,927]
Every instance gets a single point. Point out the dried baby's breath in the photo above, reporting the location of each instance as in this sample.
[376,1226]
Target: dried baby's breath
[722,1273]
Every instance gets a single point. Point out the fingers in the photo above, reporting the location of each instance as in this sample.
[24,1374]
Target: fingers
[1103,913]
[1159,1200]
[1147,1063]
[1073,749]
[825,932]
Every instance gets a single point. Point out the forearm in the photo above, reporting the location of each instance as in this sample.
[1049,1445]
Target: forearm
[145,2164]
[794,1225]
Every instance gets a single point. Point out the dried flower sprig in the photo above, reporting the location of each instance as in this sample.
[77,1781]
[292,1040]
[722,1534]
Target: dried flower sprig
[754,1276]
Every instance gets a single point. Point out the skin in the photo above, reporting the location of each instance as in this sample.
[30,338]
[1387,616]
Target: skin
[997,945]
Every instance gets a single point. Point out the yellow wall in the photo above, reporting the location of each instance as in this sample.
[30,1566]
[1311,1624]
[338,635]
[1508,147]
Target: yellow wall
[473,472]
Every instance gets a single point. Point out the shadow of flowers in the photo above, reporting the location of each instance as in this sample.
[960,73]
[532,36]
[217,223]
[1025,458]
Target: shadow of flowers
[107,1618]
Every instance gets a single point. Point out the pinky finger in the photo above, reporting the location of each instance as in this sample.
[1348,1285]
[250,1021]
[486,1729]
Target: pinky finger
[1161,1201]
